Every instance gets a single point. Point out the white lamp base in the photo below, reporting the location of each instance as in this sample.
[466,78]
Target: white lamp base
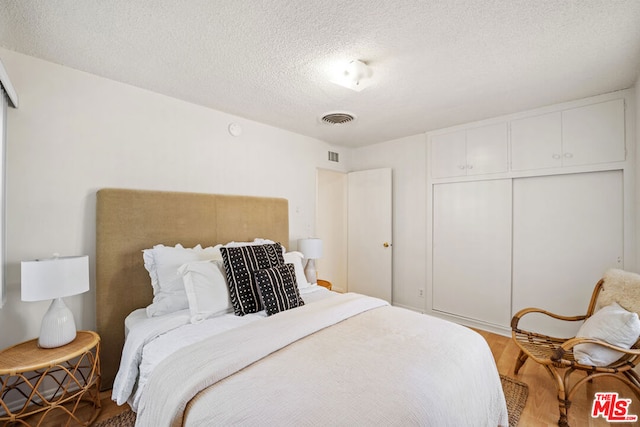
[310,271]
[58,326]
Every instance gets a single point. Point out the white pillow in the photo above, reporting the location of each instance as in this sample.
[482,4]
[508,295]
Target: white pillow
[296,258]
[206,288]
[256,242]
[612,324]
[162,263]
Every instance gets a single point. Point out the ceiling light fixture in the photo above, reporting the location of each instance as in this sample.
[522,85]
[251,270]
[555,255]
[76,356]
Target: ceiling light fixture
[355,76]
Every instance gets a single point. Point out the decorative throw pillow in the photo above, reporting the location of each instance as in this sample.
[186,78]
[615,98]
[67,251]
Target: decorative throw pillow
[296,258]
[206,288]
[239,265]
[612,324]
[162,263]
[278,288]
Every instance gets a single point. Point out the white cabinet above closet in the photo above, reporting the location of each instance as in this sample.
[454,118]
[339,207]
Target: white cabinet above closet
[575,137]
[536,142]
[449,155]
[475,151]
[593,134]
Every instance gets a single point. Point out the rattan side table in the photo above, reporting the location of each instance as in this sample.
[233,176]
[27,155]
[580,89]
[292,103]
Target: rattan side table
[37,382]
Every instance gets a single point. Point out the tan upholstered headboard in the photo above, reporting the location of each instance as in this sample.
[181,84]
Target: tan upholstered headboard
[129,221]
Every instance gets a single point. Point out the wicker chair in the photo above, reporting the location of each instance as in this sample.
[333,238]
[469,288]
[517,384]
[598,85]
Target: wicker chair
[556,354]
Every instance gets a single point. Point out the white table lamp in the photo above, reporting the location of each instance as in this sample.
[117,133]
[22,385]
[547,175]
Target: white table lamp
[311,248]
[54,279]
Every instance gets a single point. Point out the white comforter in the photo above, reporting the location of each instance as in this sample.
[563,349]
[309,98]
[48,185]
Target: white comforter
[376,365]
[151,340]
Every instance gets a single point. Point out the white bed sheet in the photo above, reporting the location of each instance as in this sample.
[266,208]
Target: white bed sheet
[149,341]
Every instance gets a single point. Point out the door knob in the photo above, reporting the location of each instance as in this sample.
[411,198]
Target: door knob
[386,244]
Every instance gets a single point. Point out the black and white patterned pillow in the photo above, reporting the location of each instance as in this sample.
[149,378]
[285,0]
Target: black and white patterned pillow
[278,288]
[239,264]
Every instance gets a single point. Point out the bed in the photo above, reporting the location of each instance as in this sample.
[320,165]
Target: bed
[335,359]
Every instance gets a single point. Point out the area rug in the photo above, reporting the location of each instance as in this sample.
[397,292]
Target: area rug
[125,419]
[515,392]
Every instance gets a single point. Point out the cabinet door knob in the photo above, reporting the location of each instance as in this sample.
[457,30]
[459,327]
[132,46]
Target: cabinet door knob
[461,166]
[556,156]
[568,155]
[469,166]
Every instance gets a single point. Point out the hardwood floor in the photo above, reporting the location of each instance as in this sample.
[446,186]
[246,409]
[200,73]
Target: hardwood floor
[109,407]
[541,408]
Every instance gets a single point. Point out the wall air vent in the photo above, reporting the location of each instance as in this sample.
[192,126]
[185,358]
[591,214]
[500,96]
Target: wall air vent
[334,157]
[338,118]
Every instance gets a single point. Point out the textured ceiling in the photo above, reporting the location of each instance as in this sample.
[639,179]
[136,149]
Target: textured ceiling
[436,63]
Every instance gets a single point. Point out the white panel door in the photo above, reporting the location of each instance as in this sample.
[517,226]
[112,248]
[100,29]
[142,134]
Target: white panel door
[472,250]
[369,269]
[567,230]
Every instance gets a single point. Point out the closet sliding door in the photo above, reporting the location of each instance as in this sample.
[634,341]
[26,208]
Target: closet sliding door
[472,250]
[567,230]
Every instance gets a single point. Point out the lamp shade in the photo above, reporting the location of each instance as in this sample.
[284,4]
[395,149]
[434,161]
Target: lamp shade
[54,278]
[311,247]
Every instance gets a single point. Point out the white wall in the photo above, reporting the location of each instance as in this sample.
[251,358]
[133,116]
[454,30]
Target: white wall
[331,227]
[75,133]
[637,183]
[407,158]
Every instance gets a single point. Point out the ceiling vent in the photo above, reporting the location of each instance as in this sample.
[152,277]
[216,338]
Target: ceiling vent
[338,118]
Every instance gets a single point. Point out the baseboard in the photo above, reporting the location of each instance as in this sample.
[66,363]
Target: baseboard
[489,327]
[407,307]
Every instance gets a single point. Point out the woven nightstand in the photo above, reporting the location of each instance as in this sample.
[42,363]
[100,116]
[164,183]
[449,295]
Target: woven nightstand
[52,380]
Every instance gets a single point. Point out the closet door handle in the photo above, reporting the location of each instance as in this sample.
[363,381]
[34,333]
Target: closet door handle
[556,156]
[469,166]
[568,155]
